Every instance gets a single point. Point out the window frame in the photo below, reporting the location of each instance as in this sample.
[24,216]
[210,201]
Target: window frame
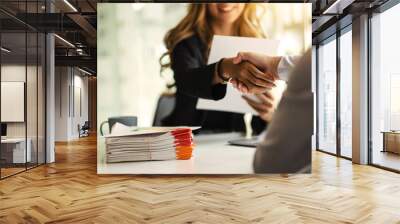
[334,37]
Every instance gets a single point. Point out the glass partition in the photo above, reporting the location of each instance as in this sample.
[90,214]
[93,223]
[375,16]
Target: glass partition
[22,92]
[14,153]
[327,96]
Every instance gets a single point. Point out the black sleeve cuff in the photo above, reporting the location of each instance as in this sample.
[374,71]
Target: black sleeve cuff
[218,91]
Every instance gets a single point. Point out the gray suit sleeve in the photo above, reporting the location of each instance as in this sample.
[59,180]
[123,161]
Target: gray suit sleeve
[287,144]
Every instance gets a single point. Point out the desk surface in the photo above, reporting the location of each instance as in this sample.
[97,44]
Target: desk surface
[391,132]
[212,155]
[13,140]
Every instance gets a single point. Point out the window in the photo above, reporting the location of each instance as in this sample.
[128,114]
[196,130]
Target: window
[327,96]
[346,93]
[314,90]
[385,89]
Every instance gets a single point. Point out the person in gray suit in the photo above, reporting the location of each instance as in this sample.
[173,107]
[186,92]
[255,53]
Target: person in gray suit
[287,144]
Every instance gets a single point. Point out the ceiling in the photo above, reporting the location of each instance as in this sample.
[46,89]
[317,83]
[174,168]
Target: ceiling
[74,22]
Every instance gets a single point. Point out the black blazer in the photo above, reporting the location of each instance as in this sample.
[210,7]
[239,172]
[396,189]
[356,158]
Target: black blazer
[193,79]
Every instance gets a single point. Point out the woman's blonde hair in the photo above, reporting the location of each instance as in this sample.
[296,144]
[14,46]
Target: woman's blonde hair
[196,22]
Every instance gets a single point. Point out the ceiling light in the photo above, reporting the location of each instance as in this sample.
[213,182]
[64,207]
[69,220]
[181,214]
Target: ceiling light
[5,50]
[79,51]
[65,41]
[84,71]
[70,5]
[337,7]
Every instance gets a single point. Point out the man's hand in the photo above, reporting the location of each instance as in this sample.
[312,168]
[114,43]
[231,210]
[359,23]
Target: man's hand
[265,106]
[248,74]
[239,86]
[267,64]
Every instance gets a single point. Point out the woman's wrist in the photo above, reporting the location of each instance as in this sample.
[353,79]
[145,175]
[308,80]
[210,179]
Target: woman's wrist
[221,74]
[216,78]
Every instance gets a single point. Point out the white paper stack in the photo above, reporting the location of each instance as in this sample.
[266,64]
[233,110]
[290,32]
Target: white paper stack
[154,143]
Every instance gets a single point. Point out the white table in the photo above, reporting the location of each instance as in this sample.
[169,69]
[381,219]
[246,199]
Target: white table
[212,155]
[19,154]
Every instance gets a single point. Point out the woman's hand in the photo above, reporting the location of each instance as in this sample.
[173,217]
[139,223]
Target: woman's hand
[267,64]
[248,74]
[264,106]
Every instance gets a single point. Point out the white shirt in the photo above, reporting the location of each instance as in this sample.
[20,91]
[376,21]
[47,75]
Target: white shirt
[285,66]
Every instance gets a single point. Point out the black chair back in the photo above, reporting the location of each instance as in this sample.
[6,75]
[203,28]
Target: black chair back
[165,106]
[86,125]
[125,120]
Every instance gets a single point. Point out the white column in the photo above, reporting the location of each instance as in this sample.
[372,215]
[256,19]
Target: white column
[50,99]
[360,90]
[50,92]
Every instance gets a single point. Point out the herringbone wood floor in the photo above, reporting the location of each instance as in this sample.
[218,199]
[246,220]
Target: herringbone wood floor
[69,191]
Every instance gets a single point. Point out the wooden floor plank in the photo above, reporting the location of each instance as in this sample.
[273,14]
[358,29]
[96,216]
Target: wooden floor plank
[70,191]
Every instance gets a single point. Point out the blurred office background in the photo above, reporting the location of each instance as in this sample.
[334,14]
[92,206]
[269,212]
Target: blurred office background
[130,43]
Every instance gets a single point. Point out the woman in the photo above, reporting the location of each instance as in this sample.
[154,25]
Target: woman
[188,45]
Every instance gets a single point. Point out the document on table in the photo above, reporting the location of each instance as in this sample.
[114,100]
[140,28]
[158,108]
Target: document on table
[229,46]
[127,144]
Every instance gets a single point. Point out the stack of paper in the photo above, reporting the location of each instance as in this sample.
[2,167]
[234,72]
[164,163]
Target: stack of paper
[155,143]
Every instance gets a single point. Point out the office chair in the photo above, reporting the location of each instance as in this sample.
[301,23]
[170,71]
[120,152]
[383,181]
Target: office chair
[3,130]
[84,130]
[111,121]
[165,106]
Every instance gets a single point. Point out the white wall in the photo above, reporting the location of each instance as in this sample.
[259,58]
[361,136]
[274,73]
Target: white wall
[17,73]
[13,73]
[61,103]
[70,83]
[79,117]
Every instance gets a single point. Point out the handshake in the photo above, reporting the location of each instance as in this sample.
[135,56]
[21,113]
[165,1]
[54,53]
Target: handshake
[252,73]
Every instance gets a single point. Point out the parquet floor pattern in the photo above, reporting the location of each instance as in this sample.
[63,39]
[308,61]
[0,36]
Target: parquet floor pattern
[70,191]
